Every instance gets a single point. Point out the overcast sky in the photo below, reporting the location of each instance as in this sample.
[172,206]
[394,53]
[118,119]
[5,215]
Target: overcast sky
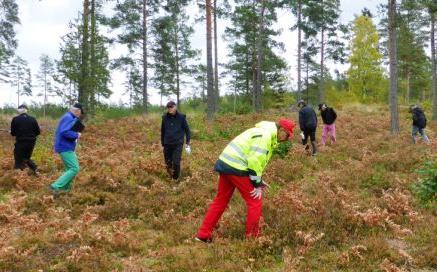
[43,23]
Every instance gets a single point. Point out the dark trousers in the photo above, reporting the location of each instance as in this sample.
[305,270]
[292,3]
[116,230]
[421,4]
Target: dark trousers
[22,153]
[172,156]
[309,133]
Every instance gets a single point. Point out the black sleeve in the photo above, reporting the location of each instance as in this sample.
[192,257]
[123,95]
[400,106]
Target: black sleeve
[36,128]
[13,127]
[162,131]
[186,129]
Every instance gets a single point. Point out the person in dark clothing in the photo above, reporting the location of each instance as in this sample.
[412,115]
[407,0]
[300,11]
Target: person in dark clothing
[328,116]
[25,128]
[419,123]
[173,129]
[308,125]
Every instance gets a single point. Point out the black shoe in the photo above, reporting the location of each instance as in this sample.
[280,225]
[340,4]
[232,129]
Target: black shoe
[55,193]
[203,240]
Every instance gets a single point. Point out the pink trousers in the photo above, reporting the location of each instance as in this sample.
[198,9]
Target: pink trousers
[328,130]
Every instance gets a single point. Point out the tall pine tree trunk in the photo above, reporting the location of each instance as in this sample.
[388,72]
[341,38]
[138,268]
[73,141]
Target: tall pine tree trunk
[178,91]
[216,83]
[434,66]
[322,68]
[93,62]
[394,112]
[209,73]
[407,96]
[299,49]
[84,68]
[144,40]
[259,60]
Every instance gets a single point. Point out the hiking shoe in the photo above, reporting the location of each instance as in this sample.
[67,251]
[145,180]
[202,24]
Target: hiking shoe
[55,193]
[203,240]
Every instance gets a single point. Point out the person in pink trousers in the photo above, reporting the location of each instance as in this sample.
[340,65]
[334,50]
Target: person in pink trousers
[328,116]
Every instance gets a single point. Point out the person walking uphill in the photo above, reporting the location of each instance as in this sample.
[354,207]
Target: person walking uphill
[173,128]
[25,128]
[308,125]
[65,144]
[328,116]
[419,123]
[241,165]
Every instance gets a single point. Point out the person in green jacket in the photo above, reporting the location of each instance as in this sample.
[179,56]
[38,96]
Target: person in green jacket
[241,165]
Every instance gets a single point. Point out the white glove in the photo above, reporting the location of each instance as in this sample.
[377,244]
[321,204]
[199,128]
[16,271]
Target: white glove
[188,149]
[256,193]
[302,135]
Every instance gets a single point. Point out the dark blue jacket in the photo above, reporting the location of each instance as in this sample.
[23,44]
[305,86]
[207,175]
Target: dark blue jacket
[419,119]
[307,118]
[173,128]
[65,138]
[25,128]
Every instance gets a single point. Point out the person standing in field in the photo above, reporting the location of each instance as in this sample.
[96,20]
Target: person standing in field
[308,125]
[328,116]
[65,144]
[25,128]
[419,123]
[174,128]
[241,165]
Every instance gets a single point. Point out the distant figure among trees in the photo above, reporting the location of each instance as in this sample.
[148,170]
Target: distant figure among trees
[419,123]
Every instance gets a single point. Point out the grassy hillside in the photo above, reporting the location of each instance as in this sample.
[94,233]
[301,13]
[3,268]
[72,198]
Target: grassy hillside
[348,209]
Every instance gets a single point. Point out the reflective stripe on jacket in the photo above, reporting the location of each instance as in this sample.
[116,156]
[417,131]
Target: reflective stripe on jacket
[251,150]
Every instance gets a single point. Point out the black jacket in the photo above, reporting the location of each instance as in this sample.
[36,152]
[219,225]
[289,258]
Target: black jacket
[24,128]
[307,118]
[419,118]
[328,116]
[173,128]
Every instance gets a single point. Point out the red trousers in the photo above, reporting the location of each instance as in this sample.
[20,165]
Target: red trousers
[226,187]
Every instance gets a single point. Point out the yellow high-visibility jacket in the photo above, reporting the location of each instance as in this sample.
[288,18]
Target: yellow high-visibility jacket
[251,150]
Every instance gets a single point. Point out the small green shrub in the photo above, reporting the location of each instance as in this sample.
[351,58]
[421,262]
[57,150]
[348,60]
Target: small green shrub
[426,188]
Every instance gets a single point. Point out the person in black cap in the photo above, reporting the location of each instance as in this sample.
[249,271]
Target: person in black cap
[308,125]
[328,117]
[67,134]
[174,127]
[25,128]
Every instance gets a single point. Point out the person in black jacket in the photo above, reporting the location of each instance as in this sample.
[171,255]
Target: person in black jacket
[419,123]
[328,116]
[173,129]
[308,125]
[25,128]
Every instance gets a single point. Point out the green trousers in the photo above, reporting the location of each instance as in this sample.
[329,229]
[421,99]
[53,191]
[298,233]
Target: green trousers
[71,164]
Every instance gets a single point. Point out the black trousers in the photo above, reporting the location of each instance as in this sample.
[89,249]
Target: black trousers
[309,133]
[172,156]
[22,154]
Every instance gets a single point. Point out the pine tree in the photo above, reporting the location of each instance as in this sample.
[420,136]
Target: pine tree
[20,77]
[392,30]
[45,78]
[8,19]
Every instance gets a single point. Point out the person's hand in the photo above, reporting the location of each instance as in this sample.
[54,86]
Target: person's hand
[78,135]
[302,135]
[188,149]
[257,192]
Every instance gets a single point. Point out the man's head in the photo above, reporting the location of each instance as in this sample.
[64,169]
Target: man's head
[22,109]
[322,107]
[301,103]
[171,107]
[412,107]
[285,129]
[77,110]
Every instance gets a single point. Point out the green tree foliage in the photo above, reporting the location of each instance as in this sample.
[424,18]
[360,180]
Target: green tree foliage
[45,79]
[365,75]
[243,35]
[8,19]
[20,77]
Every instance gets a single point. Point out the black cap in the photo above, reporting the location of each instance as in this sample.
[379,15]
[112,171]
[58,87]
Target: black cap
[23,107]
[79,106]
[170,104]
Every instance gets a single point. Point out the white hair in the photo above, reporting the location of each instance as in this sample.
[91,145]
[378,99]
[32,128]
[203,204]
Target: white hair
[22,110]
[73,108]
